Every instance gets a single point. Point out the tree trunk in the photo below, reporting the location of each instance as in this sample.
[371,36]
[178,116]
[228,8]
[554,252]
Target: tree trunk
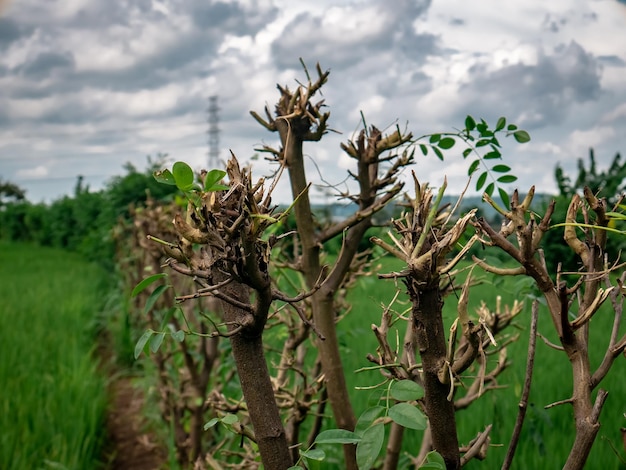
[256,387]
[431,341]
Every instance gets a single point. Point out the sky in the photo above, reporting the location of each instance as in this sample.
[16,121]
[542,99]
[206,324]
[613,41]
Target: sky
[89,85]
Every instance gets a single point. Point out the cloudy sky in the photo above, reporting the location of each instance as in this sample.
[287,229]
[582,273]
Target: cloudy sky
[87,85]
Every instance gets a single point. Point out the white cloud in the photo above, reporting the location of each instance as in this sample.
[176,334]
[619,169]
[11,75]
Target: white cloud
[38,172]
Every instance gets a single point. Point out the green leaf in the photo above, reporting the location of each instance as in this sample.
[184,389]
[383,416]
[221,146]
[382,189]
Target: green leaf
[483,142]
[141,343]
[145,283]
[408,416]
[424,149]
[470,124]
[521,136]
[431,466]
[507,178]
[156,293]
[481,181]
[435,457]
[183,174]
[501,168]
[229,419]
[156,341]
[494,154]
[504,196]
[473,167]
[165,177]
[406,390]
[167,317]
[616,215]
[438,153]
[434,138]
[367,418]
[446,143]
[489,189]
[511,127]
[212,178]
[337,436]
[179,336]
[466,152]
[210,423]
[368,449]
[296,467]
[501,123]
[313,454]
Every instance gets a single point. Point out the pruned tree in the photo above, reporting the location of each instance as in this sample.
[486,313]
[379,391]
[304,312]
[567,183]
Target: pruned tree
[573,304]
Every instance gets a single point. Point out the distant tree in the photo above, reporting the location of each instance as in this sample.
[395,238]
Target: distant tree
[10,192]
[609,183]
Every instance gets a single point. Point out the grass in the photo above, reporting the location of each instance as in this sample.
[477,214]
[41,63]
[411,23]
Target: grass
[53,396]
[547,434]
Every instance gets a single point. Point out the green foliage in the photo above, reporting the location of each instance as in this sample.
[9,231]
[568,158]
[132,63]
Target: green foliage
[84,221]
[482,143]
[609,183]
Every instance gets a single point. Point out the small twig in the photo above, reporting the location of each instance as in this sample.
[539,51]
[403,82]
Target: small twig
[523,404]
[476,446]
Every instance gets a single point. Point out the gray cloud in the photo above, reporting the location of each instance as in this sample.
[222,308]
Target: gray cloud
[537,94]
[356,37]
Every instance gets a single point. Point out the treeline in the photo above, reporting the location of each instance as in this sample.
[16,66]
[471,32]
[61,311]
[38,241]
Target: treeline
[87,222]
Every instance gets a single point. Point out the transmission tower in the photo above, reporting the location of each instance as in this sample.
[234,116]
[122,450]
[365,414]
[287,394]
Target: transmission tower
[214,133]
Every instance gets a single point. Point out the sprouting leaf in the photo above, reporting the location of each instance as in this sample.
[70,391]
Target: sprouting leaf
[446,143]
[179,336]
[210,423]
[183,174]
[368,449]
[156,340]
[521,136]
[211,180]
[434,138]
[156,293]
[165,177]
[438,153]
[367,418]
[229,418]
[507,178]
[406,390]
[473,167]
[141,343]
[145,283]
[501,168]
[489,189]
[504,196]
[501,123]
[408,416]
[424,149]
[481,181]
[337,436]
[314,454]
[470,123]
[434,462]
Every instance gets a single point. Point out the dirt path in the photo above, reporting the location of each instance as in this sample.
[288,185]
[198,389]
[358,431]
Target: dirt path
[130,447]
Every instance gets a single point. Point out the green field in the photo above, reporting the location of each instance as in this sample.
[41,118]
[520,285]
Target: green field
[52,396]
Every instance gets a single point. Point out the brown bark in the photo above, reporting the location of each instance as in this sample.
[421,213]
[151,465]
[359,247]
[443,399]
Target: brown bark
[427,320]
